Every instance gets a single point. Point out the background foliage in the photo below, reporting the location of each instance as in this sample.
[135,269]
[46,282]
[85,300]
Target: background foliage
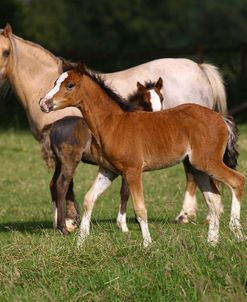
[113,34]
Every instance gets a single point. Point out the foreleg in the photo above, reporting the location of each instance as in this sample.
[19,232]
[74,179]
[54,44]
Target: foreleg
[121,218]
[134,181]
[101,183]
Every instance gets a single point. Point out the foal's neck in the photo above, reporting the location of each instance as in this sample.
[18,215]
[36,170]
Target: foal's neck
[98,108]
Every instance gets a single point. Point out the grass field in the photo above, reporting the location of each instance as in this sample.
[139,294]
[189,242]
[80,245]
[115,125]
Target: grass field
[39,264]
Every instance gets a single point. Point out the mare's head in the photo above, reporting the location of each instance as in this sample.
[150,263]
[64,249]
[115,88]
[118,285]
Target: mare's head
[5,50]
[65,91]
[148,96]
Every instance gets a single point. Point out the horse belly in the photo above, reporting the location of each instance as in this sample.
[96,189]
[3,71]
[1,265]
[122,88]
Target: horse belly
[163,159]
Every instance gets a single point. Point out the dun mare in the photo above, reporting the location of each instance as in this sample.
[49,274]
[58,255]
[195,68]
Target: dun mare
[32,70]
[128,143]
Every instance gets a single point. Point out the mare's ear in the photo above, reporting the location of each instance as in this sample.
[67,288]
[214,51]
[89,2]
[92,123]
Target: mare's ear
[7,31]
[159,84]
[66,65]
[81,68]
[140,87]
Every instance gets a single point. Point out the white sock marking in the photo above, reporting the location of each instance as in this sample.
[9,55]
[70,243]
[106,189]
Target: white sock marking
[145,232]
[121,222]
[235,225]
[189,207]
[101,183]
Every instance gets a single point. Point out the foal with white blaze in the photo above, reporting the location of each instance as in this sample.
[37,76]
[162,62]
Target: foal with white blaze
[125,145]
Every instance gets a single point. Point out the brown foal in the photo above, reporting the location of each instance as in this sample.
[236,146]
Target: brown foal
[129,142]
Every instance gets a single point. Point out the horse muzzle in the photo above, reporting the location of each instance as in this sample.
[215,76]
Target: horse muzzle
[46,105]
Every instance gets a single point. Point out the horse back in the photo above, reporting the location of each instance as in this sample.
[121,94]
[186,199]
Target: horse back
[162,139]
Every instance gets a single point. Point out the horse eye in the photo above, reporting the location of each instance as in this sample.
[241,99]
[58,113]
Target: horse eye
[6,53]
[70,85]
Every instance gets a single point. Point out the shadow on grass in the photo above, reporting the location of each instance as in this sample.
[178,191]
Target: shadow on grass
[40,226]
[133,220]
[26,226]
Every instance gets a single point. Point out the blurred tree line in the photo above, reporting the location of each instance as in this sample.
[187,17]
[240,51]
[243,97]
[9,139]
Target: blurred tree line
[111,35]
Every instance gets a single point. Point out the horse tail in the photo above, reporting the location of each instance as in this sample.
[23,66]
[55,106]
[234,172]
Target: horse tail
[46,149]
[231,152]
[217,84]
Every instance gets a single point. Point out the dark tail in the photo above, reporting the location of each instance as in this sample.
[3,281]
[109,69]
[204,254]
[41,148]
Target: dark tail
[231,153]
[46,149]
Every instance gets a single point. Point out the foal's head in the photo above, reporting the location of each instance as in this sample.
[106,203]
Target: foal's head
[148,97]
[65,91]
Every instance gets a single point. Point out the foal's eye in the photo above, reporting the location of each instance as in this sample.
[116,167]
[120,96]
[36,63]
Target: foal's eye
[70,85]
[6,53]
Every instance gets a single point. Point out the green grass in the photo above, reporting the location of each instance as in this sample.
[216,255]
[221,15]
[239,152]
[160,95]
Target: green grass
[39,264]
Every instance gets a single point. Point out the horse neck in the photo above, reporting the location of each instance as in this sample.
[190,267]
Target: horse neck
[32,71]
[98,109]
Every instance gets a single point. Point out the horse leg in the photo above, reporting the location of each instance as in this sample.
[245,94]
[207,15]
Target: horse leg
[53,191]
[101,183]
[235,181]
[189,203]
[213,199]
[235,225]
[62,186]
[72,209]
[121,218]
[134,181]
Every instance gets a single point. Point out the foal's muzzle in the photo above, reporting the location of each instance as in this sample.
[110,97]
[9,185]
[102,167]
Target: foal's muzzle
[46,105]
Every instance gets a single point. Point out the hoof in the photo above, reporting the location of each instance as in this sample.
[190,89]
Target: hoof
[182,219]
[122,226]
[63,230]
[147,242]
[71,225]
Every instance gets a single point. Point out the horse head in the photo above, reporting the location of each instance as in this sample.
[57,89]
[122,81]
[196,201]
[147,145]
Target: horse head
[5,50]
[151,94]
[65,91]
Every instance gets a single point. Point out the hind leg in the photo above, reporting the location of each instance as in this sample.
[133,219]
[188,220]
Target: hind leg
[62,186]
[53,191]
[213,199]
[235,181]
[189,208]
[72,209]
[121,218]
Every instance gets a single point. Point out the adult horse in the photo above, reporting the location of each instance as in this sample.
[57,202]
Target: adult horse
[128,142]
[32,70]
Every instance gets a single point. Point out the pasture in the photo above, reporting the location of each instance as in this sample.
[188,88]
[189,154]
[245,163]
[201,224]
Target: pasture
[39,264]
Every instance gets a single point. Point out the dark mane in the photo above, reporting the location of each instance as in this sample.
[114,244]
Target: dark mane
[96,77]
[122,103]
[137,98]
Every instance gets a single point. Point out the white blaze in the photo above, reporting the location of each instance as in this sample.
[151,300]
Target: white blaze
[56,88]
[155,100]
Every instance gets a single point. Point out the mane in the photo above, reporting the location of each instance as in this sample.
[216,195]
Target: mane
[115,97]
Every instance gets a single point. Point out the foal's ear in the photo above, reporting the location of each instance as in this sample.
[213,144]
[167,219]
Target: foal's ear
[140,87]
[81,68]
[159,84]
[7,31]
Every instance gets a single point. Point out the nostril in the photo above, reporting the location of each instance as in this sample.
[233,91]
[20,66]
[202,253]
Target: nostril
[40,101]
